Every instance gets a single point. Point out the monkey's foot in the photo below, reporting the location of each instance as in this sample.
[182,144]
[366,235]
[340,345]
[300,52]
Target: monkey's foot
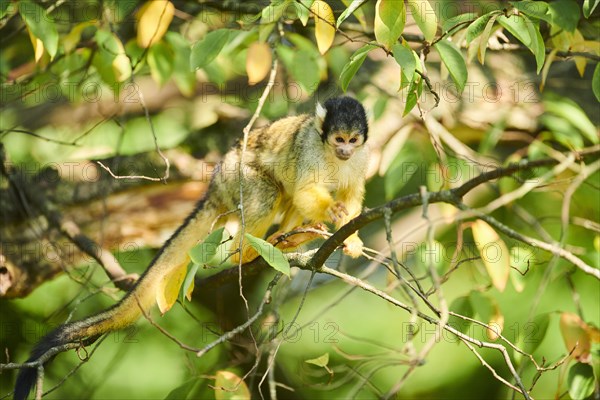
[297,236]
[353,246]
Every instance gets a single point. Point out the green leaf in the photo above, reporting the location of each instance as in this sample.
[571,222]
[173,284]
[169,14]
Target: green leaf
[305,70]
[110,60]
[204,252]
[521,260]
[184,77]
[528,33]
[403,55]
[119,10]
[565,13]
[71,39]
[137,54]
[482,305]
[354,64]
[401,169]
[534,9]
[206,50]
[390,17]
[534,333]
[580,381]
[433,254]
[454,61]
[188,282]
[485,37]
[412,97]
[303,43]
[304,63]
[562,131]
[596,82]
[286,55]
[269,17]
[168,127]
[40,25]
[461,305]
[425,17]
[302,10]
[183,391]
[516,26]
[4,7]
[379,107]
[458,22]
[571,112]
[321,361]
[478,26]
[161,61]
[589,6]
[272,255]
[537,43]
[595,351]
[349,11]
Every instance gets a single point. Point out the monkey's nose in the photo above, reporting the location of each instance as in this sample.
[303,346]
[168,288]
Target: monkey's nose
[344,155]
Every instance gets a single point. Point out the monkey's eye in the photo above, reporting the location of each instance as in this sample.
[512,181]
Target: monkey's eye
[339,139]
[353,140]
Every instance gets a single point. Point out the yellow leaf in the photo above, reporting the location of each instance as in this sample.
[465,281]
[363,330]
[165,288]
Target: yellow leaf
[321,361]
[168,288]
[121,64]
[258,62]
[496,324]
[229,386]
[594,333]
[424,16]
[578,44]
[121,67]
[190,290]
[576,335]
[324,25]
[72,38]
[153,20]
[561,40]
[546,68]
[592,46]
[38,46]
[494,253]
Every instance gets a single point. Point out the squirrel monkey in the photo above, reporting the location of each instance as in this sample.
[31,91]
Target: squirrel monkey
[300,169]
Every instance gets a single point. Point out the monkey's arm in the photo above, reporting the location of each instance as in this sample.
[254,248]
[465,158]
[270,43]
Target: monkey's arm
[314,202]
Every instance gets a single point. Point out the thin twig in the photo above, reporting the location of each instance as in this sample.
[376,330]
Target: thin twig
[247,128]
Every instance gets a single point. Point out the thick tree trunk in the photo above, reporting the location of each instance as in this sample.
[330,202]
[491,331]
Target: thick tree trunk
[42,214]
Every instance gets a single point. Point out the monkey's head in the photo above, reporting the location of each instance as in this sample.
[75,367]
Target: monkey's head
[343,124]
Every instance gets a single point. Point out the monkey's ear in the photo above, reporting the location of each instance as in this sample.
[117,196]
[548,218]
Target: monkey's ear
[320,114]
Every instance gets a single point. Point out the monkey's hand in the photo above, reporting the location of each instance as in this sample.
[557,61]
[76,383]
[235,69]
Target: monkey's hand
[337,212]
[353,246]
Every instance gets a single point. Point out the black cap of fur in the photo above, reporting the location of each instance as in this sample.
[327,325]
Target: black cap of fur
[344,114]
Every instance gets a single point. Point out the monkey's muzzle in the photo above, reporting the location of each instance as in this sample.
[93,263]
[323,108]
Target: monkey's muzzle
[343,154]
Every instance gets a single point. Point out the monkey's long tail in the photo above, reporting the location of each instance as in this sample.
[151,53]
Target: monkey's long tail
[64,334]
[172,256]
